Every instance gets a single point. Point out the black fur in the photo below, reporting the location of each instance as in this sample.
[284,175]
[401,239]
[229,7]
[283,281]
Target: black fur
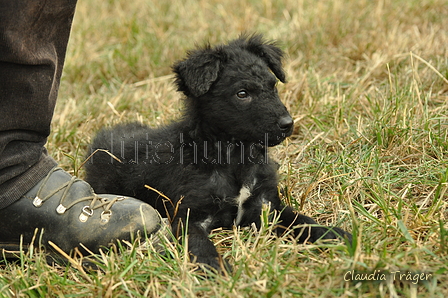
[212,164]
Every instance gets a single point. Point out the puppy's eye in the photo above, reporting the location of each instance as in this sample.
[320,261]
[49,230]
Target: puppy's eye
[242,94]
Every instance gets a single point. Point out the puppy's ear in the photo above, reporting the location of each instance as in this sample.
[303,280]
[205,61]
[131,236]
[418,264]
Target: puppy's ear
[269,52]
[196,74]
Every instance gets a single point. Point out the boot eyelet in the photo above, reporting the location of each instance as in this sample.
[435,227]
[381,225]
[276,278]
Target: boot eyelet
[86,213]
[105,216]
[37,202]
[61,209]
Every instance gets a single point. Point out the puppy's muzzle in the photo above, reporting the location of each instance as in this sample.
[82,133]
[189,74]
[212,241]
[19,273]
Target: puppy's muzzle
[286,124]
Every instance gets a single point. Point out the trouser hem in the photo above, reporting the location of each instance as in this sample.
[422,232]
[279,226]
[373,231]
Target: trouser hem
[14,189]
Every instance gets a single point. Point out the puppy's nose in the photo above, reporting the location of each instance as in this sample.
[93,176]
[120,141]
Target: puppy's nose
[286,123]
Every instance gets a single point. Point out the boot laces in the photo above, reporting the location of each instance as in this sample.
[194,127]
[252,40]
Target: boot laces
[87,211]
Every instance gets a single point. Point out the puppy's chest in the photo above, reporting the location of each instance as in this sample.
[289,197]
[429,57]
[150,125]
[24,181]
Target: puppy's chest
[230,188]
[232,195]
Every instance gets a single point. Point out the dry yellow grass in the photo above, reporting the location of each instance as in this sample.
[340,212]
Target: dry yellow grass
[368,88]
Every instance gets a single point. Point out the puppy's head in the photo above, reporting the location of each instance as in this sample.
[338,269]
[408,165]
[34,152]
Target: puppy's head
[232,89]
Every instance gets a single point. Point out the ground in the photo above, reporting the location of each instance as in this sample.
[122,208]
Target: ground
[368,89]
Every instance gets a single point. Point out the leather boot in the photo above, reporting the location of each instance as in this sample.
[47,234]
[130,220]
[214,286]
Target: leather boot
[67,212]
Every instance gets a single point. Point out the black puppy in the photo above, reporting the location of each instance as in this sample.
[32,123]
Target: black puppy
[212,164]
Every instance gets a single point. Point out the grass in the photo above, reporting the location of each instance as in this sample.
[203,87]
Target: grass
[368,89]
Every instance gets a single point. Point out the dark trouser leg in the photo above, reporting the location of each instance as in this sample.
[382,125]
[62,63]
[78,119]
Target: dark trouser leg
[33,193]
[33,41]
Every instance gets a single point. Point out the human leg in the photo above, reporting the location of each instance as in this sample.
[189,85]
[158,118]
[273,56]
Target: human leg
[33,193]
[33,41]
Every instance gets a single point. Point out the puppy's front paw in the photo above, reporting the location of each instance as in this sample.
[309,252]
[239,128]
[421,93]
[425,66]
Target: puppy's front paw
[318,233]
[313,233]
[217,264]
